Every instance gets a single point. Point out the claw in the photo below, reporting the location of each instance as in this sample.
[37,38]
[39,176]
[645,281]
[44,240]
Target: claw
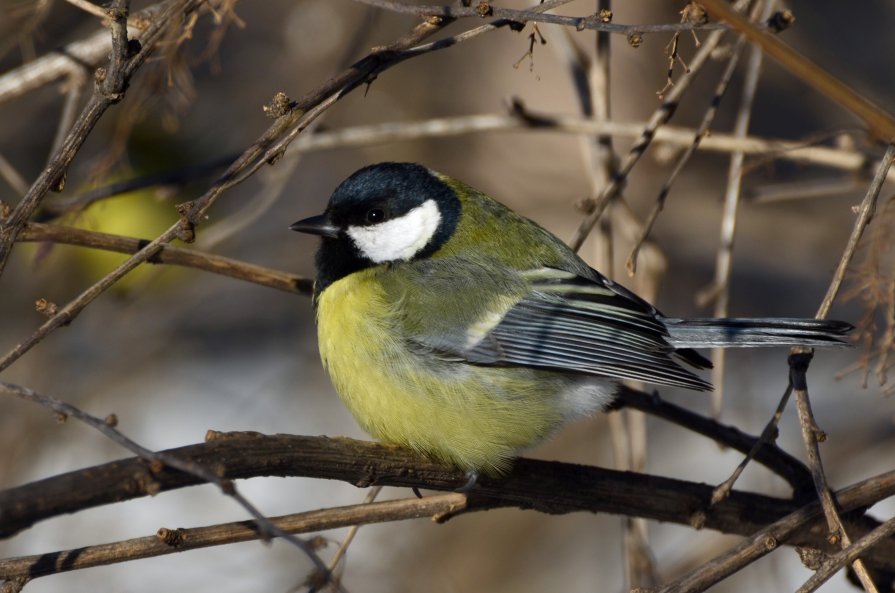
[472,477]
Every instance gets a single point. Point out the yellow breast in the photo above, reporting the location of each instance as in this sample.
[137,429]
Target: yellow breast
[473,417]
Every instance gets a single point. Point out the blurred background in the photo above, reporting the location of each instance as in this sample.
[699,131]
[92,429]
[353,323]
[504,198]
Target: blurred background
[176,352]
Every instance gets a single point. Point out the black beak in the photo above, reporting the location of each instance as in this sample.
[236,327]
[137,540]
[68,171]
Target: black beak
[316,225]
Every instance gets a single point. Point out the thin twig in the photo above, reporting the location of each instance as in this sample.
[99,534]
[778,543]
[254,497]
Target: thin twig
[531,122]
[109,89]
[881,123]
[865,215]
[756,545]
[701,131]
[723,261]
[368,500]
[840,560]
[811,435]
[189,258]
[12,177]
[157,461]
[91,8]
[74,91]
[658,119]
[804,189]
[178,177]
[769,455]
[768,437]
[628,427]
[592,22]
[296,117]
[172,541]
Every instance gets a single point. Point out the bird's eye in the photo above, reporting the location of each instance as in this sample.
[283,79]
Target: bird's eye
[375,215]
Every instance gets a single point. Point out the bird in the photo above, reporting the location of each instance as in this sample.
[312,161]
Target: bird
[452,325]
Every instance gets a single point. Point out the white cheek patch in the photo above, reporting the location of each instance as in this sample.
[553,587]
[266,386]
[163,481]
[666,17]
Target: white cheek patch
[399,238]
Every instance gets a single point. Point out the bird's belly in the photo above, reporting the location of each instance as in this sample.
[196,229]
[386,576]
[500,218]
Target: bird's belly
[474,417]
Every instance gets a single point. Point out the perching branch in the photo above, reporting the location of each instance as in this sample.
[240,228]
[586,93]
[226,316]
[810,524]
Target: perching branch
[155,461]
[550,487]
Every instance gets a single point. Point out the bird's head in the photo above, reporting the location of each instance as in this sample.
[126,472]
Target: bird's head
[383,213]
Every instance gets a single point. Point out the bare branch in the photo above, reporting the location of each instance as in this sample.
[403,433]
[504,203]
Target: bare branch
[659,118]
[171,541]
[590,22]
[550,487]
[865,215]
[701,131]
[176,256]
[12,177]
[756,545]
[812,435]
[768,437]
[766,452]
[838,561]
[296,117]
[718,292]
[520,122]
[881,124]
[158,461]
[90,8]
[109,90]
[76,57]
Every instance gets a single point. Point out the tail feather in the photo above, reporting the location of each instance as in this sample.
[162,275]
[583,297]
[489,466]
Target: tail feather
[746,332]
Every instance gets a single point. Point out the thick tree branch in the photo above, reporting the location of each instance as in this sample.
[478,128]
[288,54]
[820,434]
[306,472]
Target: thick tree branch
[158,460]
[549,487]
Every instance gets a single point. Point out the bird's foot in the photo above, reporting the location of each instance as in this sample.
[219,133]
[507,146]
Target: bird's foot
[472,477]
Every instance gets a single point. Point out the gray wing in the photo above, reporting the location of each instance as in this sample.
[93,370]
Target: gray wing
[586,325]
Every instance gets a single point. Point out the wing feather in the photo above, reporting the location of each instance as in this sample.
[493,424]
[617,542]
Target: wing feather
[544,318]
[583,325]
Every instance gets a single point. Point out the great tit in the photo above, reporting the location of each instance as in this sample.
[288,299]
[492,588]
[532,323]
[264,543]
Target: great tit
[454,326]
